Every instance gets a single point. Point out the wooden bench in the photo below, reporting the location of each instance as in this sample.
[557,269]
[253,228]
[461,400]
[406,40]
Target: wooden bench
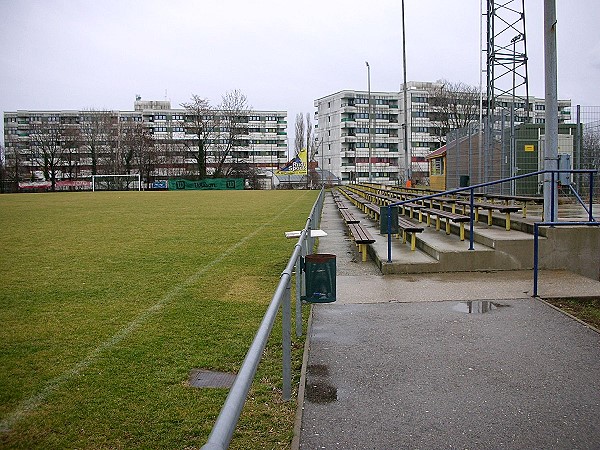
[348,216]
[491,207]
[448,216]
[408,227]
[403,224]
[361,237]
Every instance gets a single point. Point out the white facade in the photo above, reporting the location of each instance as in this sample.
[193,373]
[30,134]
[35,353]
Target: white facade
[343,131]
[262,143]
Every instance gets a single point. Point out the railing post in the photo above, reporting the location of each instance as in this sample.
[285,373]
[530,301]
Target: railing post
[536,229]
[389,230]
[471,220]
[553,218]
[299,292]
[591,216]
[286,317]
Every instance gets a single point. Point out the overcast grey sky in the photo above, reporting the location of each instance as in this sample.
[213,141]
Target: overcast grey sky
[76,54]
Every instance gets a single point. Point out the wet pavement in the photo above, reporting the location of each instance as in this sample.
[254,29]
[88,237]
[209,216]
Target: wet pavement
[447,361]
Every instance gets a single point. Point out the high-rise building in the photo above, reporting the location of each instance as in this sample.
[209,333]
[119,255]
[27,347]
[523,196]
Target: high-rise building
[433,111]
[154,140]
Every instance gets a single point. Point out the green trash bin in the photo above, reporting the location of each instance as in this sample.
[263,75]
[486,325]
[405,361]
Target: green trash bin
[320,273]
[383,220]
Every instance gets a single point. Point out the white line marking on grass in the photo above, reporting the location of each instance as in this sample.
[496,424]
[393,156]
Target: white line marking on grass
[28,405]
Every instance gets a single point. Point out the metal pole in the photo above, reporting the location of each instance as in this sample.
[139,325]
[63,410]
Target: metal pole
[389,232]
[551,128]
[299,293]
[370,122]
[471,220]
[577,156]
[286,314]
[591,196]
[536,229]
[407,159]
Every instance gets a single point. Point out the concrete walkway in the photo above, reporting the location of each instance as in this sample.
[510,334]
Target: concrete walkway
[465,360]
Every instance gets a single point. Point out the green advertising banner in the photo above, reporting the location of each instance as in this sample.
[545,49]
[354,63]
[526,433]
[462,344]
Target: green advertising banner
[206,184]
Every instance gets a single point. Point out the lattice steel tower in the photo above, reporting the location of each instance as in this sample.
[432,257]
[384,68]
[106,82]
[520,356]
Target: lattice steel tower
[506,54]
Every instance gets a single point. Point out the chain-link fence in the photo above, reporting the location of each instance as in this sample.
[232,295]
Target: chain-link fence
[478,154]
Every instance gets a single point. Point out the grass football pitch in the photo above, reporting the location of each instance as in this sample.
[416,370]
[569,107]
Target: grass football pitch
[108,300]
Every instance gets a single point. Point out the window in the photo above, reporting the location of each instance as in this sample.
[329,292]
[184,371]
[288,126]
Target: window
[160,117]
[419,114]
[437,166]
[416,99]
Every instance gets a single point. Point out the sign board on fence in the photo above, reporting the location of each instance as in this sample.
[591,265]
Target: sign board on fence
[160,184]
[206,184]
[529,148]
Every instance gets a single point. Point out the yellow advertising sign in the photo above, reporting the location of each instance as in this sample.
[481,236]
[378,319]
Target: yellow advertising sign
[529,148]
[297,166]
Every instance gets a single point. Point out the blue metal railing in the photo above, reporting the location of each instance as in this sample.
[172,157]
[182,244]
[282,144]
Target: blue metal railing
[224,427]
[472,189]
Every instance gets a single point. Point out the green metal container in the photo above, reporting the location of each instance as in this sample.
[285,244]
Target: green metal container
[383,220]
[320,273]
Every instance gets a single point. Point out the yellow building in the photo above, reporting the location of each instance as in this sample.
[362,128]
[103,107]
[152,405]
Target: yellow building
[437,169]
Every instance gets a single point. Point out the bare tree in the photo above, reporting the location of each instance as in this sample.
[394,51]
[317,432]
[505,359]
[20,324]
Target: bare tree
[200,116]
[300,135]
[233,126]
[95,129]
[15,168]
[454,105]
[71,142]
[47,144]
[147,158]
[135,140]
[309,128]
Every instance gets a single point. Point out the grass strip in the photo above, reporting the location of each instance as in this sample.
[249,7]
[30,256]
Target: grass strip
[110,299]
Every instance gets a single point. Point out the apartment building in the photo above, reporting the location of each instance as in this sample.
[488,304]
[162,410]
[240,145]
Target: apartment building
[77,144]
[343,136]
[343,129]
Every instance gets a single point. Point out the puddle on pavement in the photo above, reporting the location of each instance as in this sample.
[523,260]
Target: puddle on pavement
[478,307]
[320,392]
[318,370]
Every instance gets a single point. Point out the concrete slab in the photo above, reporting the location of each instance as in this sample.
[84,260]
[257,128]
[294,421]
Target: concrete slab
[462,286]
[427,375]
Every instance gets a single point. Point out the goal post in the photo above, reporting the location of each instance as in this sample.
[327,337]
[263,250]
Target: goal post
[116,182]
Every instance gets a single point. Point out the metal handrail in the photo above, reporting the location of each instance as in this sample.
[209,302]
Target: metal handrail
[224,427]
[591,172]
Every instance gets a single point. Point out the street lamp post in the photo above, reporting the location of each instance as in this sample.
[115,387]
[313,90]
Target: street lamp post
[370,122]
[407,157]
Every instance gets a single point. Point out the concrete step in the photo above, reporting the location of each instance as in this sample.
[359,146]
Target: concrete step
[494,249]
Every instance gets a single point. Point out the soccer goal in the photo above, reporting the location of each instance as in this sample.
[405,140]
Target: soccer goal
[131,182]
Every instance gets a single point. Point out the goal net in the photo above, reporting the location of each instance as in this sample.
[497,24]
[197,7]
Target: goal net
[116,182]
